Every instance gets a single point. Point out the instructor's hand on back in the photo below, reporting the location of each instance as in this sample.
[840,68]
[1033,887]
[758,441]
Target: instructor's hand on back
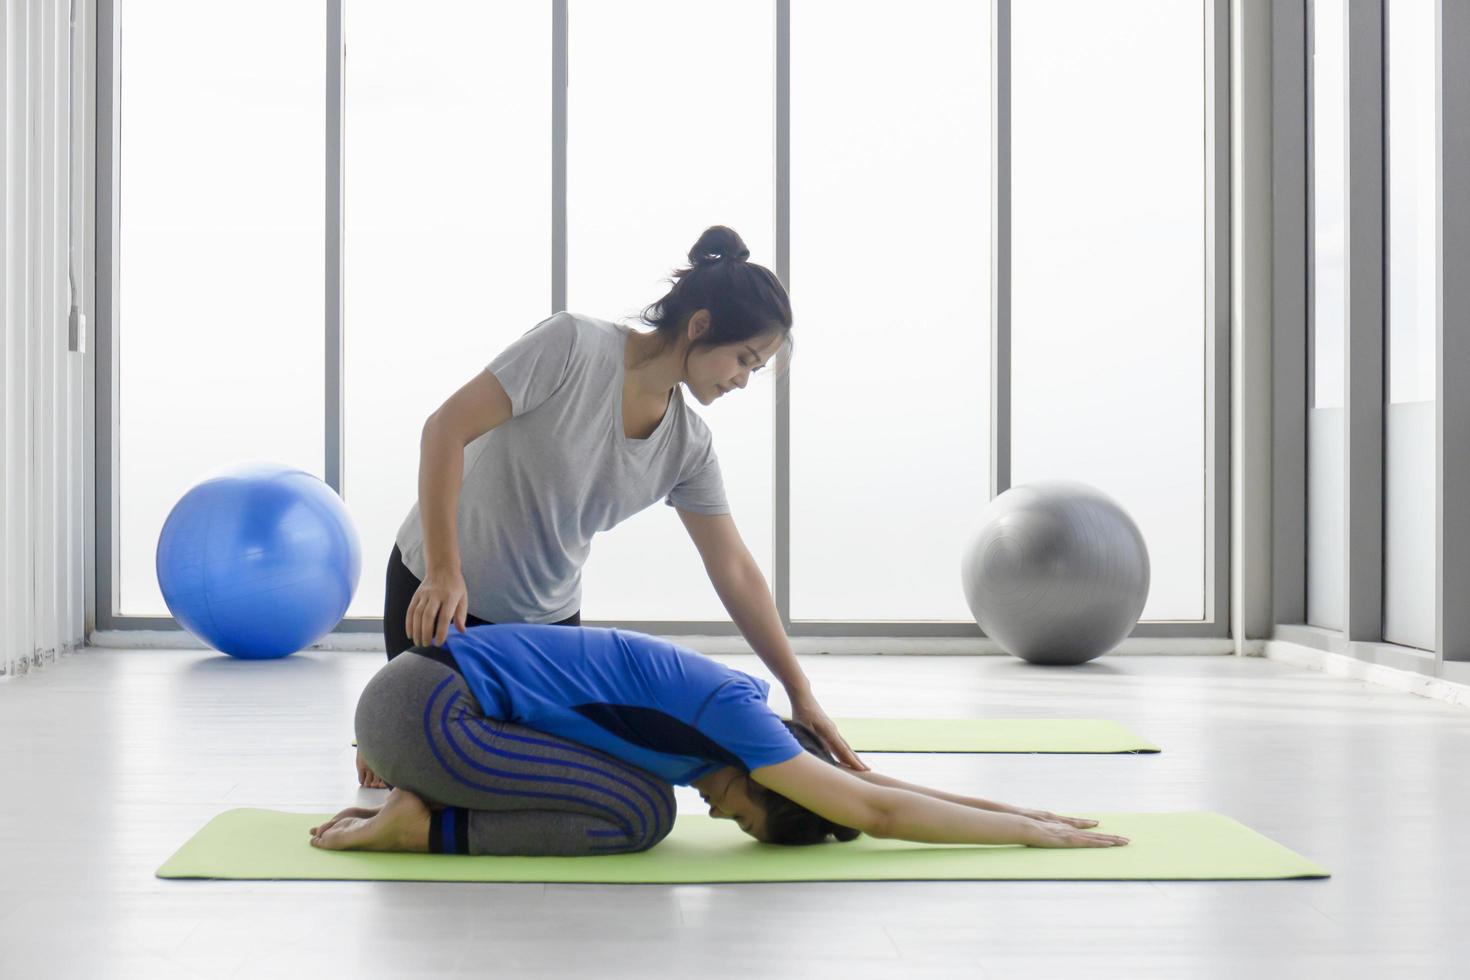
[442,598]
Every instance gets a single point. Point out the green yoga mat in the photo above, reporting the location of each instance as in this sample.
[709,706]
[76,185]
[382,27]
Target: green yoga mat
[979,735]
[267,844]
[990,735]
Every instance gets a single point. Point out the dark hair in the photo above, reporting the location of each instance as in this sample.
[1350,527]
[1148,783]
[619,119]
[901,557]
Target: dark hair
[792,823]
[744,300]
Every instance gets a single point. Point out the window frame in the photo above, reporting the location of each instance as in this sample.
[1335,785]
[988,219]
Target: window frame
[1216,366]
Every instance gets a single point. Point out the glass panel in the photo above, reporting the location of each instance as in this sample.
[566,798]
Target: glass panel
[1109,315]
[1413,254]
[671,130]
[1409,511]
[1326,512]
[890,267]
[1325,504]
[447,239]
[220,305]
[1329,202]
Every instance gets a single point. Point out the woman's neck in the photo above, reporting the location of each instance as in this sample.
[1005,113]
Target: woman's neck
[651,368]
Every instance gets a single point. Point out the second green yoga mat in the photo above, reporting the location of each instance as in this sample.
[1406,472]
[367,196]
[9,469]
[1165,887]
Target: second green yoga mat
[980,735]
[267,844]
[1084,735]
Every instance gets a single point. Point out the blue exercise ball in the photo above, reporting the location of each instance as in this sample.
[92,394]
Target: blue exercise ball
[1057,572]
[258,561]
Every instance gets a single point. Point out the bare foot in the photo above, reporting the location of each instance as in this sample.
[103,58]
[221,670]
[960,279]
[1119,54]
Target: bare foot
[362,812]
[401,824]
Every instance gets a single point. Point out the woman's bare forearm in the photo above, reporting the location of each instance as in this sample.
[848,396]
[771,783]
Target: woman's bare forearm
[879,779]
[746,596]
[441,469]
[929,820]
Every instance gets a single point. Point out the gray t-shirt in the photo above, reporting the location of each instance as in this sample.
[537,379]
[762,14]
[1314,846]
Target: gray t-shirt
[538,486]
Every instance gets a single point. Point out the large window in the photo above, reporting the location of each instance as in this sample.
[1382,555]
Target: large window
[446,231]
[852,145]
[220,305]
[670,129]
[1109,284]
[890,235]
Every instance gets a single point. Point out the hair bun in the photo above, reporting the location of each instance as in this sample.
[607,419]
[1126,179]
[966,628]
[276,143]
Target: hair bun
[717,243]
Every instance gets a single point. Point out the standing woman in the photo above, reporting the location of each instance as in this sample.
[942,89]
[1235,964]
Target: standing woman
[574,428]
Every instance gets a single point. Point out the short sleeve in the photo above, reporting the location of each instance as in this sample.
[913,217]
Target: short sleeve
[738,719]
[701,486]
[536,365]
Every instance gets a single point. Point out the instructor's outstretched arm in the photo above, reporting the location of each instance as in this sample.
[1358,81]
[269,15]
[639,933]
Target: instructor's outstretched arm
[743,591]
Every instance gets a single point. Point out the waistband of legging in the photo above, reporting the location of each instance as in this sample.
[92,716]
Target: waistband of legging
[440,655]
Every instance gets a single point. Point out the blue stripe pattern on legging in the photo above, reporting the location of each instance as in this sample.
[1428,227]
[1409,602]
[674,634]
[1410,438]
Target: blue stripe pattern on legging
[662,801]
[656,794]
[444,729]
[447,831]
[491,750]
[602,771]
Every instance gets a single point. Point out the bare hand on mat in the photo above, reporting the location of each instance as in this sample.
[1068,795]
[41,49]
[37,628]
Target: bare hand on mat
[441,599]
[1045,834]
[1081,823]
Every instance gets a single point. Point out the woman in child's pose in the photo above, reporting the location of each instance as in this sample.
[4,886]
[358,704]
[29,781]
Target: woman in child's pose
[545,739]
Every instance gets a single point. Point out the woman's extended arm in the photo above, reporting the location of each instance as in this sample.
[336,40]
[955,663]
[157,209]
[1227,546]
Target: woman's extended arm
[879,779]
[743,590]
[476,408]
[887,811]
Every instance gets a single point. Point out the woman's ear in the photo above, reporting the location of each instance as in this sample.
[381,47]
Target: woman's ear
[698,324]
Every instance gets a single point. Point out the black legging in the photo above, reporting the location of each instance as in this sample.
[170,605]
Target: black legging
[402,584]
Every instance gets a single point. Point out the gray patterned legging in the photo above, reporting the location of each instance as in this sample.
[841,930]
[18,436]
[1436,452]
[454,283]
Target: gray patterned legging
[504,789]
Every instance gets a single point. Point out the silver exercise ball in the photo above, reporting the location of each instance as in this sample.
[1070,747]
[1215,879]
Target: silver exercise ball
[1057,572]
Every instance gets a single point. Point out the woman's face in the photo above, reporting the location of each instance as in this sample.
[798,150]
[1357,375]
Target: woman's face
[729,799]
[712,372]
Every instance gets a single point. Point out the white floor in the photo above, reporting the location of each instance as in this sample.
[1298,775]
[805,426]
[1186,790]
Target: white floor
[112,758]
